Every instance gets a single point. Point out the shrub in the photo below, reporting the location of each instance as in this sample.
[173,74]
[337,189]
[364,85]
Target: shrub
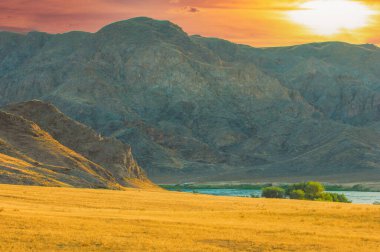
[339,198]
[273,192]
[294,187]
[333,197]
[313,190]
[324,197]
[297,194]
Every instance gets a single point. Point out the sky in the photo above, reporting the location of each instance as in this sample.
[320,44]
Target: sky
[260,23]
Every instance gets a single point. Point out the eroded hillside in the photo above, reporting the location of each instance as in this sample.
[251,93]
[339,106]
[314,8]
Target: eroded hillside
[63,153]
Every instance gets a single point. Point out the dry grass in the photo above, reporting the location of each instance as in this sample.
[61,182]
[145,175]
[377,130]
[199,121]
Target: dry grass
[66,219]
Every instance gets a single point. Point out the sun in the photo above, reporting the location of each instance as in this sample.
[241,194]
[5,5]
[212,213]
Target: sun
[329,17]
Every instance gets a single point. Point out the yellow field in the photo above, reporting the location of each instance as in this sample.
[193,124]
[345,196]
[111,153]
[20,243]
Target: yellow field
[65,219]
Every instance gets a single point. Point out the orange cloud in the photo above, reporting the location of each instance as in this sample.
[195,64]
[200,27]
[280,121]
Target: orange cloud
[254,22]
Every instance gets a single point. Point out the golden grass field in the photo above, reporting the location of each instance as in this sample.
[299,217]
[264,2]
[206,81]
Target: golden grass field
[66,219]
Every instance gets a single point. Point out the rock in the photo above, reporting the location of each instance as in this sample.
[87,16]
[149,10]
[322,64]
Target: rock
[61,152]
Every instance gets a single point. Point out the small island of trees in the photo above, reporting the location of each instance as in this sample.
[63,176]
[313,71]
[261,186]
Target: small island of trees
[304,191]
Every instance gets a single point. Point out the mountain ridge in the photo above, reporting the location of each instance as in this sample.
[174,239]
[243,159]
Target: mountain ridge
[33,150]
[198,109]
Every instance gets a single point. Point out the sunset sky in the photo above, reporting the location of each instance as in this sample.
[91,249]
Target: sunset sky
[255,22]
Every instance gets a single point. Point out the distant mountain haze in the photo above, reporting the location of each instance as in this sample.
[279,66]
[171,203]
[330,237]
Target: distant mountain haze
[205,109]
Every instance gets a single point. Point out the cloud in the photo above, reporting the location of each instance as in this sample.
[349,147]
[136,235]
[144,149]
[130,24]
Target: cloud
[192,9]
[185,9]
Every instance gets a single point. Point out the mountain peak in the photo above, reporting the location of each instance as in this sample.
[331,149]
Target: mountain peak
[147,20]
[142,24]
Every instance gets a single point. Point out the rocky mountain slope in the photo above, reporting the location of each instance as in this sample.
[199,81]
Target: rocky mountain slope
[202,109]
[61,152]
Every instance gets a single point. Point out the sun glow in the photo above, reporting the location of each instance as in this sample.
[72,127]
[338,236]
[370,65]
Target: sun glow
[329,17]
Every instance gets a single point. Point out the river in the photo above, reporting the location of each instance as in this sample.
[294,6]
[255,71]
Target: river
[355,197]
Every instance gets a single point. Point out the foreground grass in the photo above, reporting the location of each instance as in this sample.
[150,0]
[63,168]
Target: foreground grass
[63,219]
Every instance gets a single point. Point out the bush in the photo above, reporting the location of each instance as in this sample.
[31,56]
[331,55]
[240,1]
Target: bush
[339,198]
[333,197]
[294,187]
[324,197]
[313,190]
[273,192]
[297,194]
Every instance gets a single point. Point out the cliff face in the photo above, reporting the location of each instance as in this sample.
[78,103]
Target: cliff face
[195,108]
[61,152]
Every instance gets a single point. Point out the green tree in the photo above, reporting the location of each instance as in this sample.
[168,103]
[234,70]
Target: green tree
[324,197]
[339,198]
[273,192]
[294,187]
[313,190]
[297,194]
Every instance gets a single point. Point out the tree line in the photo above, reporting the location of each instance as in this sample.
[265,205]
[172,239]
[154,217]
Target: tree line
[304,191]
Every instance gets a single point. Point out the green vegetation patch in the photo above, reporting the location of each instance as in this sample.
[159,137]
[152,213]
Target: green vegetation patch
[304,191]
[273,192]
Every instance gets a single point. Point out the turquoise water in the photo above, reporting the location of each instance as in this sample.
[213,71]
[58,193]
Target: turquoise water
[355,197]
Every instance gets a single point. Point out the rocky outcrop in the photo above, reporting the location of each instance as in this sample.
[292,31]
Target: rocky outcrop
[199,109]
[61,152]
[37,152]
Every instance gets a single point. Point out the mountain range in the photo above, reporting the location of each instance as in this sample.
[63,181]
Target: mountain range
[199,109]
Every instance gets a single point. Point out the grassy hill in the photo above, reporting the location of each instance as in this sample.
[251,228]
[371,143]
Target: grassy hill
[39,145]
[67,219]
